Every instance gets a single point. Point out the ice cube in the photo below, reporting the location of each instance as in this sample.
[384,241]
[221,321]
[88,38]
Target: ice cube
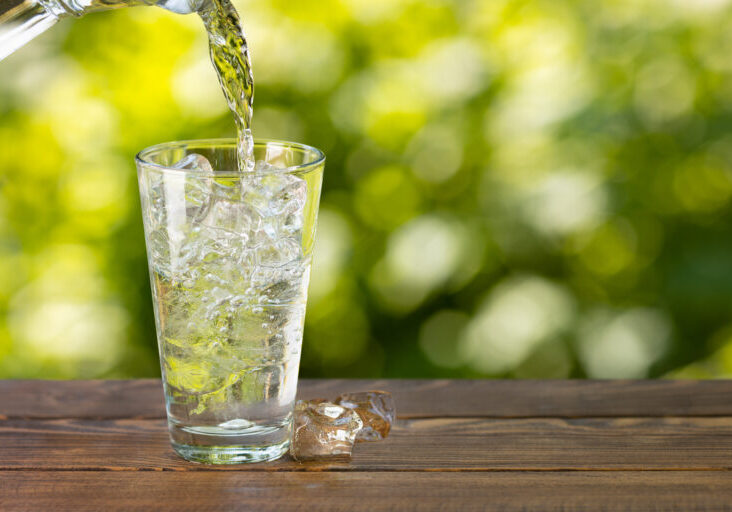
[323,429]
[158,245]
[154,213]
[263,166]
[194,162]
[292,225]
[277,253]
[376,409]
[276,194]
[232,217]
[198,186]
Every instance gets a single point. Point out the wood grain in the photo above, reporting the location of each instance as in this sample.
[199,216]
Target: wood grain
[452,444]
[225,491]
[414,398]
[458,445]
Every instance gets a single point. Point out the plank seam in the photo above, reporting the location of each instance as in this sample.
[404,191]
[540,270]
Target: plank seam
[357,470]
[401,417]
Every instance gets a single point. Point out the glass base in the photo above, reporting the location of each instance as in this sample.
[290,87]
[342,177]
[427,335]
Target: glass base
[231,454]
[236,441]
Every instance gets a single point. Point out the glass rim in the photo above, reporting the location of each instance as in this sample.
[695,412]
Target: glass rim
[141,158]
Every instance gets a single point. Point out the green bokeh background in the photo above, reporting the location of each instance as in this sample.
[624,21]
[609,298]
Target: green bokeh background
[513,188]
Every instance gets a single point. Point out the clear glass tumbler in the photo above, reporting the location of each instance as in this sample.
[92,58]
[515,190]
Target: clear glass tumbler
[229,256]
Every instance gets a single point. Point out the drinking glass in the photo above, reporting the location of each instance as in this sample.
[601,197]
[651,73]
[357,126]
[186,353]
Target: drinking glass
[229,256]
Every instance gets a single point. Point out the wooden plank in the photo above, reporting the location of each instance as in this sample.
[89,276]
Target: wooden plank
[213,491]
[414,398]
[141,398]
[455,444]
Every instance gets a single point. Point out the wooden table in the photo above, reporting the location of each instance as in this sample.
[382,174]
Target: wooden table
[457,445]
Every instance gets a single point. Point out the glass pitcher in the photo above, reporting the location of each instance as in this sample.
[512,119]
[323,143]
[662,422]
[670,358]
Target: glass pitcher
[22,20]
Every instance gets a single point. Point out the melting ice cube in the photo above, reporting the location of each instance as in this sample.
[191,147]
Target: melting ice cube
[323,429]
[376,409]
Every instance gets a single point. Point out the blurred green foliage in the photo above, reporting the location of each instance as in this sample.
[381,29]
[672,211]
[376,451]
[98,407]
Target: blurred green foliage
[513,188]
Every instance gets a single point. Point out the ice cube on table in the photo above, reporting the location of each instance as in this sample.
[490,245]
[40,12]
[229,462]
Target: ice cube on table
[322,429]
[376,409]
